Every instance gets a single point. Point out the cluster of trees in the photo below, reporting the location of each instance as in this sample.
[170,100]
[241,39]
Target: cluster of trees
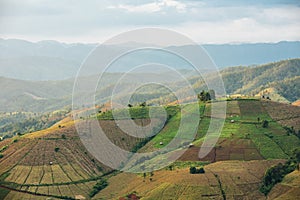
[194,170]
[291,130]
[21,123]
[206,96]
[276,173]
[100,185]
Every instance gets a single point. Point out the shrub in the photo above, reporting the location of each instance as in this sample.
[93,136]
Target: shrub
[194,170]
[100,185]
[200,170]
[275,175]
[1,155]
[3,148]
[56,149]
[265,124]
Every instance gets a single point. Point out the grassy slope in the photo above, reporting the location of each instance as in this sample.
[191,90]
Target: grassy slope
[28,159]
[245,133]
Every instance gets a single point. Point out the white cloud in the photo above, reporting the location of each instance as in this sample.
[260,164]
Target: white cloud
[180,7]
[93,21]
[151,7]
[148,8]
[239,31]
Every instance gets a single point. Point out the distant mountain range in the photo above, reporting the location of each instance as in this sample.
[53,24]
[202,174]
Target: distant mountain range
[51,60]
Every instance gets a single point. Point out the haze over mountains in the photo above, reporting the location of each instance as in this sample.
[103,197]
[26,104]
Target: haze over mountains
[51,60]
[281,79]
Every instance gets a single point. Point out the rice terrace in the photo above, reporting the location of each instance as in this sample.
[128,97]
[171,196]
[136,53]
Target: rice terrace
[53,162]
[150,100]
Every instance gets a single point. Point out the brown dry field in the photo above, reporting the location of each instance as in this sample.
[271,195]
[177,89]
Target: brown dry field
[226,149]
[239,179]
[284,114]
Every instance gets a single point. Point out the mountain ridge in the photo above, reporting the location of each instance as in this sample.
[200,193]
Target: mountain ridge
[284,76]
[52,60]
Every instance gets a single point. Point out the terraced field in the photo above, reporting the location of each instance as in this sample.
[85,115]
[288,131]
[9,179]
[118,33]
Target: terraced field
[54,162]
[238,179]
[244,138]
[284,114]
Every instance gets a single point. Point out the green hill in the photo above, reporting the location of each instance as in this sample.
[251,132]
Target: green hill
[54,163]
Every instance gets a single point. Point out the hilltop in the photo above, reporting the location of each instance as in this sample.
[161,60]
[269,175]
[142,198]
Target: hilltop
[54,163]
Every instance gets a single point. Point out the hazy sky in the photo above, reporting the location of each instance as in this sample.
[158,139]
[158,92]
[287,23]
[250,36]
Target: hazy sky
[208,21]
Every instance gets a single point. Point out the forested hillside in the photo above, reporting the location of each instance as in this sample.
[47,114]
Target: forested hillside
[284,76]
[39,96]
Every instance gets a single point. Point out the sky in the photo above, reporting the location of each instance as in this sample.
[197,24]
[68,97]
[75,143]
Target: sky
[206,22]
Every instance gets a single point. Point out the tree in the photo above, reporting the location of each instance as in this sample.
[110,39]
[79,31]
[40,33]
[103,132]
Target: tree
[63,136]
[129,105]
[201,170]
[143,104]
[207,96]
[100,185]
[265,124]
[204,96]
[193,170]
[297,157]
[56,149]
[201,96]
